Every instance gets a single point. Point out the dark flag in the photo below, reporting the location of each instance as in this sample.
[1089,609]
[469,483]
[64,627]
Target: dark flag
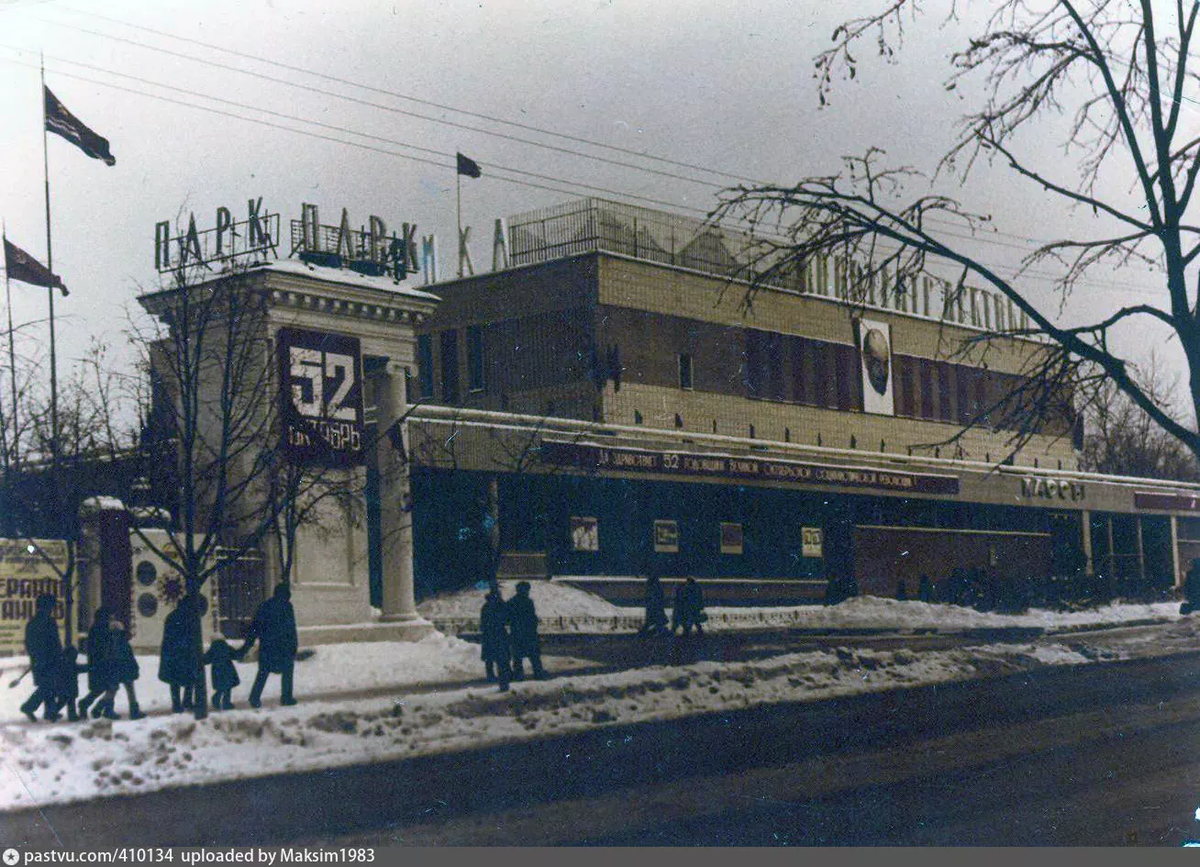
[21,266]
[61,122]
[468,167]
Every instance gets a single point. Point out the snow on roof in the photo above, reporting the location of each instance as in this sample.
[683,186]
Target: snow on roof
[344,276]
[549,598]
[102,504]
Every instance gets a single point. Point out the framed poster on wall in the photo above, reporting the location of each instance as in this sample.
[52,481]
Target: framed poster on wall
[666,537]
[585,533]
[812,541]
[875,352]
[731,538]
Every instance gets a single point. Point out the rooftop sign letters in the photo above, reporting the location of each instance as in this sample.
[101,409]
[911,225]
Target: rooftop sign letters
[321,397]
[367,249]
[591,457]
[230,240]
[1052,489]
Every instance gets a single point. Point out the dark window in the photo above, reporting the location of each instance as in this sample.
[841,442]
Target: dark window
[904,375]
[685,370]
[450,366]
[981,403]
[775,366]
[754,383]
[425,364]
[799,377]
[945,387]
[925,369]
[845,371]
[475,358]
[824,374]
[963,390]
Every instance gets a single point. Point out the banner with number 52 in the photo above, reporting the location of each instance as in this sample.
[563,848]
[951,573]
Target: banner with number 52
[321,397]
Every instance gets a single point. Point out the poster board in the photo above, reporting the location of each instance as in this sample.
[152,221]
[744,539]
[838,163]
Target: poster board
[812,541]
[875,355]
[666,537]
[585,533]
[29,568]
[731,538]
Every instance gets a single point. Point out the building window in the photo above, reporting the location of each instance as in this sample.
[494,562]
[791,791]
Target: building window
[425,365]
[450,366]
[475,358]
[685,370]
[925,369]
[945,387]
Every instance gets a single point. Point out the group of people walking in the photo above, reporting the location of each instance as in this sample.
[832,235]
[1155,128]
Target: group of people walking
[55,668]
[111,663]
[510,636]
[687,613]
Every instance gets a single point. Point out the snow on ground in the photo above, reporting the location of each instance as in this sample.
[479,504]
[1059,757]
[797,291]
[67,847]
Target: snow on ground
[331,669]
[562,608]
[551,600]
[46,764]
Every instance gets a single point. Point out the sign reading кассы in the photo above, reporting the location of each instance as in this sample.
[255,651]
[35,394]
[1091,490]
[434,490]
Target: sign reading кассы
[321,397]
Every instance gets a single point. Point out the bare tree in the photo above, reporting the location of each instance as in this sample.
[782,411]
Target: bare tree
[1123,70]
[1123,440]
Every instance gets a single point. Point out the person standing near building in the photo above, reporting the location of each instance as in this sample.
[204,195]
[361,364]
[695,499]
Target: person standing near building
[274,626]
[523,619]
[656,616]
[99,662]
[179,662]
[1191,588]
[493,626]
[224,674]
[689,608]
[45,655]
[66,691]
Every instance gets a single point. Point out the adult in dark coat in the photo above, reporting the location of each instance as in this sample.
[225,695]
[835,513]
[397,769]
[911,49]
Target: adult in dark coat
[99,656]
[125,668]
[179,662]
[925,589]
[523,620]
[224,674]
[689,608]
[493,626]
[656,616]
[274,627]
[45,654]
[1191,588]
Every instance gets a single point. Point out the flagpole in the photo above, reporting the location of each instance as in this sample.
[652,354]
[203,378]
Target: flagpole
[67,579]
[12,353]
[458,213]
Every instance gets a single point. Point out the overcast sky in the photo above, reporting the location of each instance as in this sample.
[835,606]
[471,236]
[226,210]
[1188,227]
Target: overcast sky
[722,85]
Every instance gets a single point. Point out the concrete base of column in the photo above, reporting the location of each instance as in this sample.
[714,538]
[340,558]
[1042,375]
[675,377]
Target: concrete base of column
[407,630]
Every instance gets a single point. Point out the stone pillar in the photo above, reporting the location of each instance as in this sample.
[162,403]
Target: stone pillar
[395,519]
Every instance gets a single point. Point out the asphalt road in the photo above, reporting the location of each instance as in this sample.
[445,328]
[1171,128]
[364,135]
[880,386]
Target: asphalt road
[1098,755]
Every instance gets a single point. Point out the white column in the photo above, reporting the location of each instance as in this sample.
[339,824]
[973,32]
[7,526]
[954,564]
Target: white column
[1086,522]
[395,517]
[1178,576]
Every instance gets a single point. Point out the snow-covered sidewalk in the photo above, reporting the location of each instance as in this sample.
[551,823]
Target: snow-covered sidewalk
[42,764]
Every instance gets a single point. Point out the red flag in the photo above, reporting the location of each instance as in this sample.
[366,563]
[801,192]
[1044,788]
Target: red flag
[21,266]
[63,123]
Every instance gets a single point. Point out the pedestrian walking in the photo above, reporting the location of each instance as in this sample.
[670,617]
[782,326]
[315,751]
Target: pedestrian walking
[125,668]
[45,654]
[274,627]
[493,626]
[179,662]
[523,621]
[99,666]
[66,679]
[656,615]
[689,608]
[224,674]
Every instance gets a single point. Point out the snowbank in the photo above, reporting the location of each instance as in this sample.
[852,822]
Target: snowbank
[48,764]
[551,600]
[568,609]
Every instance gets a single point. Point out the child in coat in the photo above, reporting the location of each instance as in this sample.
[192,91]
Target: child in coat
[224,675]
[66,689]
[125,671]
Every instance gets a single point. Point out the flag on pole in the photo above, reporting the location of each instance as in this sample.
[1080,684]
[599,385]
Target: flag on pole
[21,266]
[63,123]
[468,166]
